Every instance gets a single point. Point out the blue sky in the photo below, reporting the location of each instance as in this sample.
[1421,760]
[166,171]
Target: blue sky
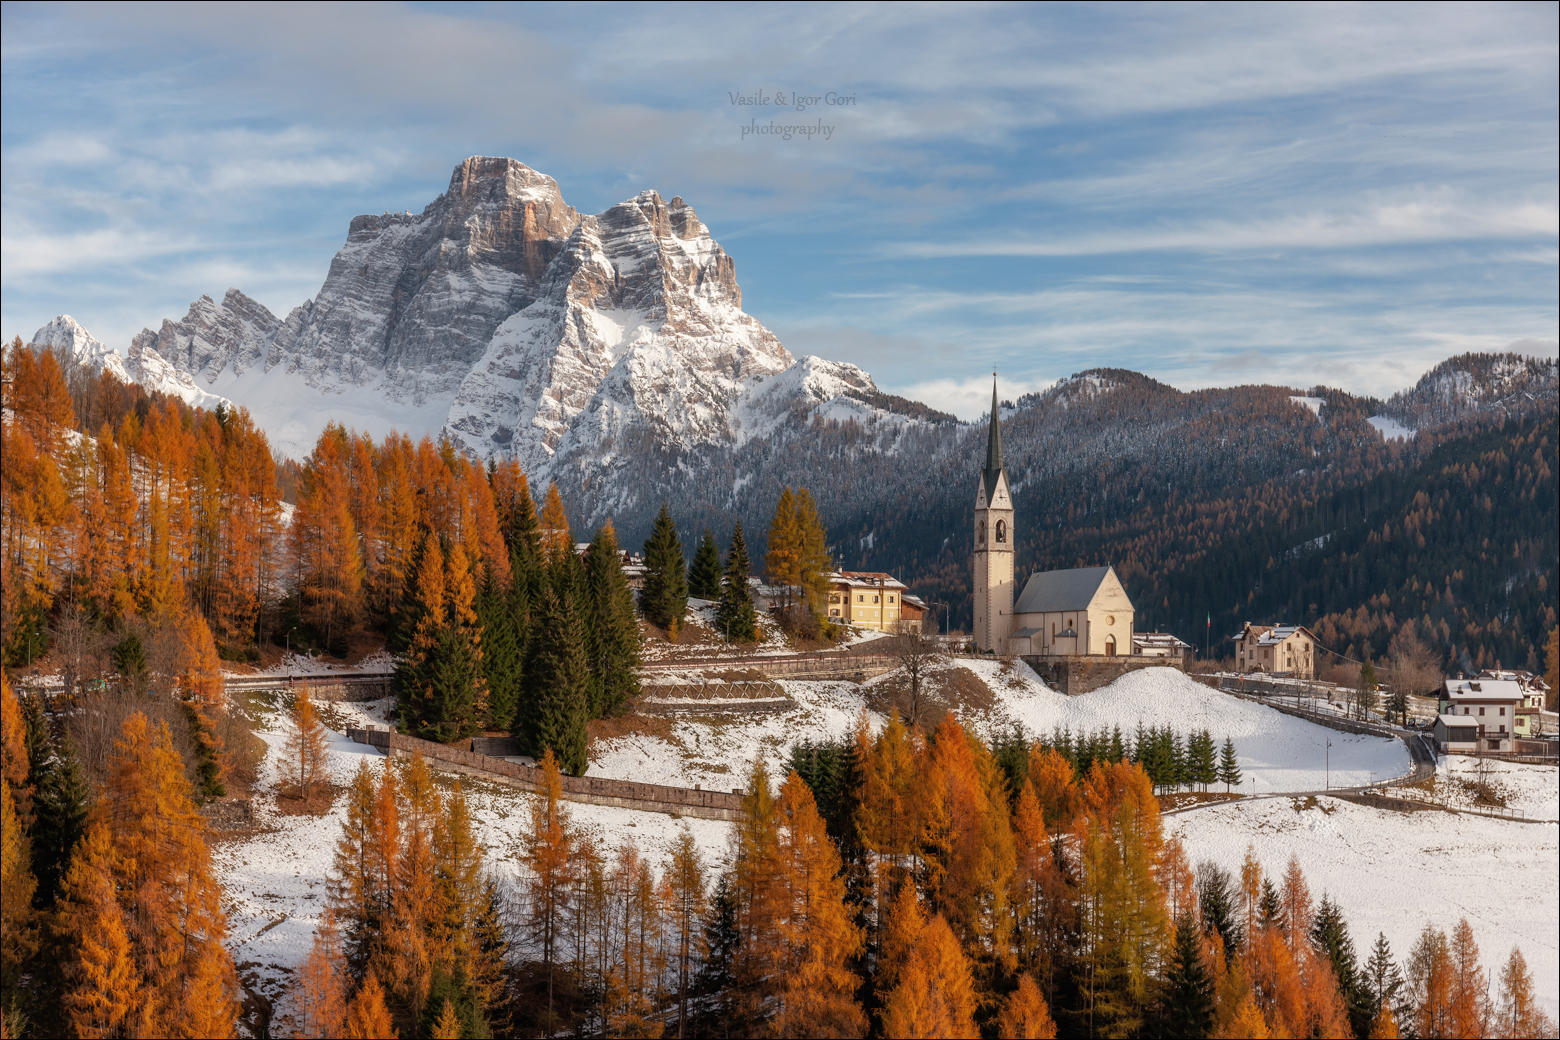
[1208,194]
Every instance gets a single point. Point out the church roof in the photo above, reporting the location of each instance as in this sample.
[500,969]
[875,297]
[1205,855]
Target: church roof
[993,443]
[1060,590]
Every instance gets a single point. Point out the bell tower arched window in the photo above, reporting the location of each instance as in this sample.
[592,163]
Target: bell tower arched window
[981,532]
[1001,531]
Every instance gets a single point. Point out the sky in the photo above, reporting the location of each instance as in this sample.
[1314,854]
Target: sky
[1212,195]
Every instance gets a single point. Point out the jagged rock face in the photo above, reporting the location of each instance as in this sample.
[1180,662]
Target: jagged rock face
[65,334]
[237,333]
[412,301]
[593,349]
[639,333]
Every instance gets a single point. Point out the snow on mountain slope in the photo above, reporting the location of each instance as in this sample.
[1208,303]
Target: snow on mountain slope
[66,334]
[516,326]
[145,365]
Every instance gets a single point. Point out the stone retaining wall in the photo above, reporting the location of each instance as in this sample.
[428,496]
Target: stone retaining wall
[1074,675]
[786,666]
[625,794]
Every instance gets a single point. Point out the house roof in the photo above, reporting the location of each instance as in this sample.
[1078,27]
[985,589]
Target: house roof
[1484,690]
[1060,590]
[1026,633]
[1272,635]
[1458,721]
[866,580]
[1158,639]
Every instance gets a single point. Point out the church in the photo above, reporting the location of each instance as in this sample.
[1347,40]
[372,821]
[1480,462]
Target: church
[1084,611]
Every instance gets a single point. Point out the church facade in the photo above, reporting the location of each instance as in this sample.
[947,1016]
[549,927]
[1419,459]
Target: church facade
[1079,612]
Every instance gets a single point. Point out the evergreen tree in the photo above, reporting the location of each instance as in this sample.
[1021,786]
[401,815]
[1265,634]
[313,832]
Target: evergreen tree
[1330,936]
[664,598]
[735,615]
[501,652]
[560,678]
[1381,981]
[1216,900]
[1188,986]
[303,765]
[705,570]
[611,626]
[64,795]
[1229,766]
[1271,908]
[1202,761]
[439,681]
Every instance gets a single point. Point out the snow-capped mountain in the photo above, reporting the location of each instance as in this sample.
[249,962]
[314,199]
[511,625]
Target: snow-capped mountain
[145,365]
[513,324]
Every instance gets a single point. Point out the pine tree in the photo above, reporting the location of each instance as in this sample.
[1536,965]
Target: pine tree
[1025,1014]
[415,910]
[1330,935]
[1384,1025]
[734,614]
[439,680]
[502,660]
[358,898]
[1380,981]
[560,676]
[664,598]
[704,573]
[553,529]
[304,766]
[1188,988]
[1229,766]
[611,626]
[64,795]
[1202,765]
[1216,903]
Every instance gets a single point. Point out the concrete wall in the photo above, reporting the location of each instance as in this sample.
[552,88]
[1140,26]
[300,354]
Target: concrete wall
[1075,675]
[710,805]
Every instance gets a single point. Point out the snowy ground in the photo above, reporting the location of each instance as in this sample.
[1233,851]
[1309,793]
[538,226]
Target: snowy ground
[306,664]
[1277,752]
[274,883]
[1395,872]
[1532,790]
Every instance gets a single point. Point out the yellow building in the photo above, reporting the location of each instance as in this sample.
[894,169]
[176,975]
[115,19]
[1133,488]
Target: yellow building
[868,599]
[1081,611]
[1277,650]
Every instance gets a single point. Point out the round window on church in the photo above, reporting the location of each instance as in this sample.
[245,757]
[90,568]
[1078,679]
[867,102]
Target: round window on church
[1110,619]
[1001,530]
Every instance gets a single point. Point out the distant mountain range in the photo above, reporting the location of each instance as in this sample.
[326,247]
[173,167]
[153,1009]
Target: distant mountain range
[611,353]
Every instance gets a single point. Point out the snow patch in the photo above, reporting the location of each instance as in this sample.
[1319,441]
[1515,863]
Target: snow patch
[1390,429]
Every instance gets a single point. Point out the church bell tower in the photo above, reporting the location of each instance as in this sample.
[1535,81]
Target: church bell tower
[993,544]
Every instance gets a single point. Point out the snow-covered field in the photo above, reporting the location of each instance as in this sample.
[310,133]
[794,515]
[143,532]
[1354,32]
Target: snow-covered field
[1532,790]
[274,881]
[1393,872]
[1277,752]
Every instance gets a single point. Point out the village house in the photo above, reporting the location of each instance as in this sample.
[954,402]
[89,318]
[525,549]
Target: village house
[1287,650]
[1159,644]
[1489,705]
[1456,733]
[870,599]
[1080,611]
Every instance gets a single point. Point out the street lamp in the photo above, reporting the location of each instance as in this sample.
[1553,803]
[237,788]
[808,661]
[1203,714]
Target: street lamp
[1328,760]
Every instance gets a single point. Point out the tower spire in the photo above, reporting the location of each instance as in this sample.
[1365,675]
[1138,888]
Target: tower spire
[993,442]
